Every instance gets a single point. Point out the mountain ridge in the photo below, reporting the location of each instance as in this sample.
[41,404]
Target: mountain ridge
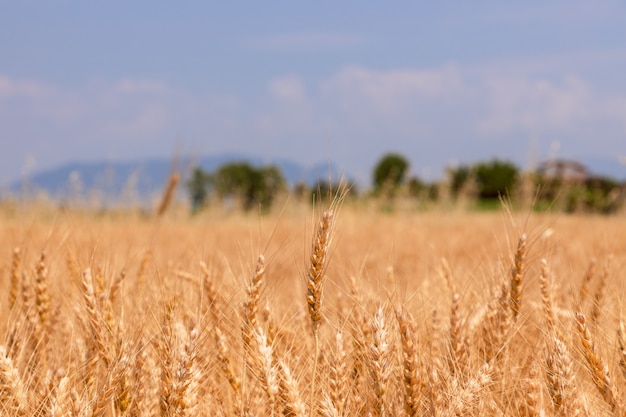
[144,177]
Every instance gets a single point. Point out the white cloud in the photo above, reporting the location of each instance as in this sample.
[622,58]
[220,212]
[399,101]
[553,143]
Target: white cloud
[388,92]
[128,109]
[288,88]
[148,120]
[134,86]
[11,88]
[364,111]
[535,105]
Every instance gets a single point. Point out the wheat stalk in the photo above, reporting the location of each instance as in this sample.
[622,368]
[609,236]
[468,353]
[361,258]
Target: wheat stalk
[584,288]
[599,370]
[168,193]
[598,296]
[315,283]
[15,276]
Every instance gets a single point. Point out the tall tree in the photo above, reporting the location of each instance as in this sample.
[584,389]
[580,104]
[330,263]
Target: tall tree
[252,186]
[198,187]
[389,173]
[495,178]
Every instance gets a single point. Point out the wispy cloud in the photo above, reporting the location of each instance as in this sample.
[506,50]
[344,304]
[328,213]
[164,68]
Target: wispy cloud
[536,106]
[143,123]
[289,88]
[306,41]
[14,88]
[392,91]
[450,110]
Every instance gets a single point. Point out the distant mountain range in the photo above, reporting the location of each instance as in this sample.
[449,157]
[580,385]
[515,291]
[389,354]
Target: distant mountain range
[140,179]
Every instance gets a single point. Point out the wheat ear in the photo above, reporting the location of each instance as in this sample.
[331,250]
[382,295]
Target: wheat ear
[168,194]
[317,268]
[533,391]
[458,342]
[15,276]
[546,296]
[462,403]
[268,373]
[598,368]
[409,363]
[42,298]
[61,404]
[251,307]
[338,375]
[315,283]
[435,374]
[380,354]
[289,393]
[188,377]
[225,364]
[517,275]
[96,323]
[560,379]
[12,390]
[167,352]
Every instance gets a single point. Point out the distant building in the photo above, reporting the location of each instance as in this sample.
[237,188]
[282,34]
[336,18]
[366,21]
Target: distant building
[563,170]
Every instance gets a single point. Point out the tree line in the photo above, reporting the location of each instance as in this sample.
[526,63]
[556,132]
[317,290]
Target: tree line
[561,184]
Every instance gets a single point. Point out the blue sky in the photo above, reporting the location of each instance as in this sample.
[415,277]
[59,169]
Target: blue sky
[441,82]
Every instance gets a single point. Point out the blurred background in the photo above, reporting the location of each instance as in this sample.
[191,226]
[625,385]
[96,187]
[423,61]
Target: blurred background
[106,95]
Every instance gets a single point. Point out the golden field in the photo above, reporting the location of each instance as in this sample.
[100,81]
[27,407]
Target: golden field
[327,311]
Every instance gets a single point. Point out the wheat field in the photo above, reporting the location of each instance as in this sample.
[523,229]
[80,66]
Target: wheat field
[330,311]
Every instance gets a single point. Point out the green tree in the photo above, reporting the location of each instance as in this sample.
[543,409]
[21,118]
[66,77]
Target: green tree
[389,173]
[252,186]
[322,190]
[458,178]
[198,186]
[271,182]
[495,178]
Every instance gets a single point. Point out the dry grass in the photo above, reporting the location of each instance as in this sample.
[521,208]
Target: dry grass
[169,316]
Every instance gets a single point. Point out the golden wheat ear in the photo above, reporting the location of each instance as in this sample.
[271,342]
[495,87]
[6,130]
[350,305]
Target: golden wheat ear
[13,393]
[251,307]
[15,277]
[315,283]
[380,361]
[410,364]
[597,367]
[289,393]
[561,379]
[168,194]
[317,267]
[517,275]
